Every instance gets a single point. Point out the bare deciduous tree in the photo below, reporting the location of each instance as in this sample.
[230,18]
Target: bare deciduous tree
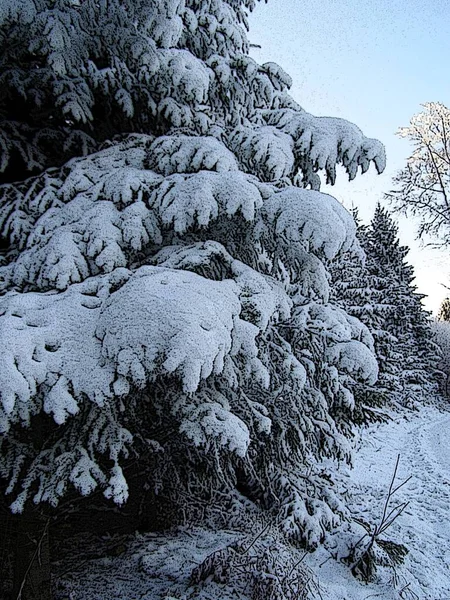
[444,310]
[423,186]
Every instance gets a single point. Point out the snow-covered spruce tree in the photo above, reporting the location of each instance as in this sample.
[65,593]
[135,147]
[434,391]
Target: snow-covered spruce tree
[352,289]
[349,286]
[165,298]
[441,337]
[407,356]
[376,286]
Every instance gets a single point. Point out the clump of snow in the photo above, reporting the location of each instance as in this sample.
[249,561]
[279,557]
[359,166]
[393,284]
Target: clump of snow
[189,154]
[327,141]
[183,77]
[146,322]
[265,151]
[316,221]
[356,359]
[166,24]
[264,300]
[277,75]
[308,226]
[46,337]
[335,324]
[212,421]
[183,201]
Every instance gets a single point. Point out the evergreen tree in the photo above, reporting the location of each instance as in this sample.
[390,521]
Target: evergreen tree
[391,278]
[166,295]
[441,337]
[354,289]
[378,289]
[349,287]
[444,310]
[383,265]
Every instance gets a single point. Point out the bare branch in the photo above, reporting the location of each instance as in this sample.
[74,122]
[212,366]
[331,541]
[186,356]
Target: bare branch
[424,184]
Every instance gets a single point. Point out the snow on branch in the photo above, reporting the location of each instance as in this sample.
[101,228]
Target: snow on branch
[73,460]
[265,151]
[216,29]
[189,154]
[22,11]
[157,328]
[277,75]
[166,24]
[302,227]
[335,324]
[316,221]
[80,239]
[195,200]
[348,344]
[97,212]
[209,421]
[263,299]
[115,173]
[323,142]
[183,77]
[355,359]
[92,342]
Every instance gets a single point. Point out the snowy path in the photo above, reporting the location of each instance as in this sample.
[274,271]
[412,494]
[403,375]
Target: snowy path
[428,521]
[423,443]
[440,439]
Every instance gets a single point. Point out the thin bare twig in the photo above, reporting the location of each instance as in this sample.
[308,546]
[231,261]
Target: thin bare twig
[36,554]
[387,518]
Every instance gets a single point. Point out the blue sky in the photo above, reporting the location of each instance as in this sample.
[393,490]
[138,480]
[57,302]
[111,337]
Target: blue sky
[372,62]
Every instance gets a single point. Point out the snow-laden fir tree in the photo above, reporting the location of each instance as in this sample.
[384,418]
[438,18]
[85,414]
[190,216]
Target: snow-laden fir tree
[393,312]
[391,278]
[441,337]
[353,290]
[350,290]
[165,295]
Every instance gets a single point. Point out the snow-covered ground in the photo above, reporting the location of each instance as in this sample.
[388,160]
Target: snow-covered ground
[153,566]
[423,443]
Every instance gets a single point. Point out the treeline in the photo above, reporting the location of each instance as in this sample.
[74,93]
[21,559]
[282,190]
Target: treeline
[377,287]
